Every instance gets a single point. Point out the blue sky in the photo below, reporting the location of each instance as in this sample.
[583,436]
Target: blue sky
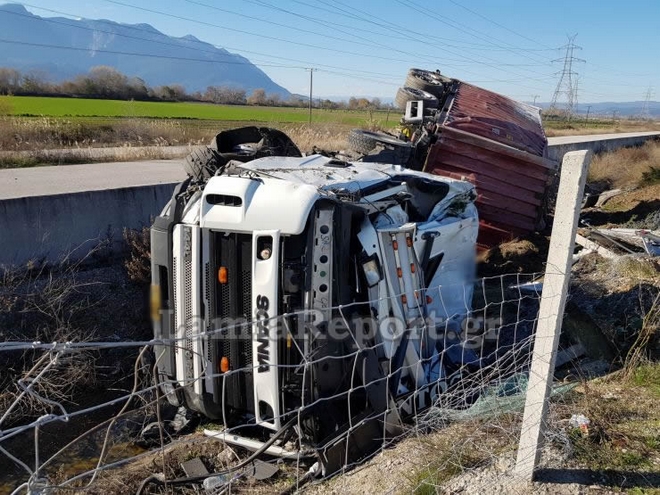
[365,48]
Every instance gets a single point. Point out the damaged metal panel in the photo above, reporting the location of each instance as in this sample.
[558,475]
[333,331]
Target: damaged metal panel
[490,115]
[511,183]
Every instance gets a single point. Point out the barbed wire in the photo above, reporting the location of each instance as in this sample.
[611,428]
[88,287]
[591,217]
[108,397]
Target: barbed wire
[473,389]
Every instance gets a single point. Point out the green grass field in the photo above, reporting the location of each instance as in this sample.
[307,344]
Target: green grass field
[80,107]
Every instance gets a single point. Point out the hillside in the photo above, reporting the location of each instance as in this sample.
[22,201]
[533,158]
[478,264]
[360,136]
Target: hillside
[28,42]
[620,108]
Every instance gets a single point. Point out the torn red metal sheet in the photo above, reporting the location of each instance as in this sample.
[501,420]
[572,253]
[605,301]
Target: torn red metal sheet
[483,113]
[511,177]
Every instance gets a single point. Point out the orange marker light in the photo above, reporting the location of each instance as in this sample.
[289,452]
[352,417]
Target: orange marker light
[222,275]
[395,245]
[412,267]
[224,364]
[409,241]
[399,272]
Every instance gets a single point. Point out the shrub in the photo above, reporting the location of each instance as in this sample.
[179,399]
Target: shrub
[138,261]
[651,176]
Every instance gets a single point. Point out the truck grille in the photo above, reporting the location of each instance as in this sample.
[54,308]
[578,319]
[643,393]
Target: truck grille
[234,310]
[174,293]
[208,296]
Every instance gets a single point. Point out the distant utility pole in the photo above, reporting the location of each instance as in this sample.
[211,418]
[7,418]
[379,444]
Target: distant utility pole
[535,97]
[565,85]
[587,119]
[311,85]
[645,113]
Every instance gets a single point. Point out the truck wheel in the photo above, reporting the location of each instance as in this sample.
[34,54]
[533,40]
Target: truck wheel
[406,94]
[425,80]
[365,141]
[203,163]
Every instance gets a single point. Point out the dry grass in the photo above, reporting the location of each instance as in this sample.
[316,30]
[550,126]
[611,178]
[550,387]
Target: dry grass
[40,133]
[215,455]
[323,136]
[19,159]
[622,438]
[37,134]
[138,259]
[555,128]
[27,142]
[44,303]
[625,167]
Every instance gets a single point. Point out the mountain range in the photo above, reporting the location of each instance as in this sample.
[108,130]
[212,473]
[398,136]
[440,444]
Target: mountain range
[61,48]
[617,108]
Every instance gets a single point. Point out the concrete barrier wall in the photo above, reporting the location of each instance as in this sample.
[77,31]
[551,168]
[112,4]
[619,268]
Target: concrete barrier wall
[557,151]
[45,228]
[48,227]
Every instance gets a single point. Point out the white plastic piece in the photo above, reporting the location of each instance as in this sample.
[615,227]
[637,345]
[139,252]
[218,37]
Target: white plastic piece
[250,444]
[414,112]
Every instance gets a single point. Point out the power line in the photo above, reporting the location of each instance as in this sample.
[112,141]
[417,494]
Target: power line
[134,54]
[340,70]
[372,19]
[293,42]
[391,27]
[304,44]
[565,84]
[388,29]
[272,38]
[114,33]
[503,26]
[370,43]
[645,113]
[134,28]
[412,36]
[464,28]
[170,57]
[495,63]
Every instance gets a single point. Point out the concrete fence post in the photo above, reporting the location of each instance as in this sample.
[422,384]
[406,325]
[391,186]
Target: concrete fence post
[555,287]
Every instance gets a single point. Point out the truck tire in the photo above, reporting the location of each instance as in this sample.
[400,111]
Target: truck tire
[406,94]
[203,163]
[363,141]
[425,80]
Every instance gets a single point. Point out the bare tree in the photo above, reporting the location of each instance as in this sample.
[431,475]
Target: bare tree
[108,81]
[273,100]
[258,97]
[36,82]
[10,80]
[224,95]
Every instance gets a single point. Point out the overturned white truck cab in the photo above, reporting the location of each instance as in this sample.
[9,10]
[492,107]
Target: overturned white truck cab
[313,291]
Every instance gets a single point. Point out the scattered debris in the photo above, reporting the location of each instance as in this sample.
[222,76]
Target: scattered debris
[594,247]
[194,467]
[260,470]
[635,238]
[580,421]
[570,354]
[605,196]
